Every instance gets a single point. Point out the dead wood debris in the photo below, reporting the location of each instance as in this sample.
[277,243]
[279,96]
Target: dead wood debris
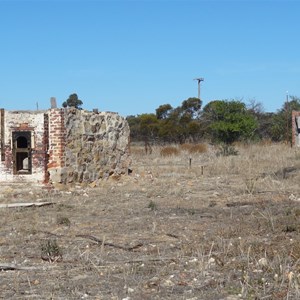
[14,267]
[30,204]
[175,236]
[158,259]
[240,203]
[101,242]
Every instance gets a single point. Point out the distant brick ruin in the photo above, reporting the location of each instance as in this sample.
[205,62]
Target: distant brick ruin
[62,145]
[296,128]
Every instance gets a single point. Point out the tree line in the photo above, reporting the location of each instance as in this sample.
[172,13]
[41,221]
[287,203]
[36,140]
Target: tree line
[219,121]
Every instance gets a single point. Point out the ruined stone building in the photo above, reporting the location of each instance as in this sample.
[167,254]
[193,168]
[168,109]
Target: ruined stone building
[296,128]
[62,145]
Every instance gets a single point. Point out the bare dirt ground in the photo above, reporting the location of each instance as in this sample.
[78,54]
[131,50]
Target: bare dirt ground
[224,228]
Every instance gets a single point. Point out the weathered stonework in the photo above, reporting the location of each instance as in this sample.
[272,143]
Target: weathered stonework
[90,146]
[62,145]
[296,128]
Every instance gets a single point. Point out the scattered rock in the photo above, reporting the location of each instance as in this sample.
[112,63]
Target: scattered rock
[263,262]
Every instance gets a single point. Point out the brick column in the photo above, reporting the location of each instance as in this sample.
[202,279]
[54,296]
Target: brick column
[56,144]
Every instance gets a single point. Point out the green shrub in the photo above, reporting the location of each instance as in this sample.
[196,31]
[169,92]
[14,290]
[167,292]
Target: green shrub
[152,205]
[62,220]
[226,150]
[50,251]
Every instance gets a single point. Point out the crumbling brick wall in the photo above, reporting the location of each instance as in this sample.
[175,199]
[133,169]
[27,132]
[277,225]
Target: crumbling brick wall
[56,144]
[62,145]
[23,121]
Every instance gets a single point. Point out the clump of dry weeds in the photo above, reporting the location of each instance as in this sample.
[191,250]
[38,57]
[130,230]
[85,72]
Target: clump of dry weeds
[169,151]
[194,148]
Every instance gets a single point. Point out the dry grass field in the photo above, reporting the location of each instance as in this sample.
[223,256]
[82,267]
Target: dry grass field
[185,224]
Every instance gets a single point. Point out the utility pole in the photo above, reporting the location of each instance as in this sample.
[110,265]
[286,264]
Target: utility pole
[199,81]
[287,117]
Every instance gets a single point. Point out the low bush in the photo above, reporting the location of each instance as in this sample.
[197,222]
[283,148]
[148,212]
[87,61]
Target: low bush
[186,147]
[50,251]
[227,150]
[169,151]
[198,148]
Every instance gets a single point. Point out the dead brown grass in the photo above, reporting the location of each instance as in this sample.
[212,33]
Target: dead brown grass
[166,232]
[169,151]
[186,147]
[194,148]
[198,148]
[137,151]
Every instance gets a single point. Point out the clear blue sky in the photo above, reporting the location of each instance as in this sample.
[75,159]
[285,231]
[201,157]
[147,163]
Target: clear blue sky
[132,56]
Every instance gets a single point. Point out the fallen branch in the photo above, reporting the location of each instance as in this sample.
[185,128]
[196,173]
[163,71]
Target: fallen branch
[12,267]
[175,236]
[30,204]
[159,259]
[50,233]
[98,241]
[240,203]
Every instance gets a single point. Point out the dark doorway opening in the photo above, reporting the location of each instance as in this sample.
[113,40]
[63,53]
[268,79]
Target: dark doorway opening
[22,152]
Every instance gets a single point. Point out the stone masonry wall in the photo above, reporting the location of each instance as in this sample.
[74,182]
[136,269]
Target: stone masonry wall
[295,134]
[87,146]
[96,145]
